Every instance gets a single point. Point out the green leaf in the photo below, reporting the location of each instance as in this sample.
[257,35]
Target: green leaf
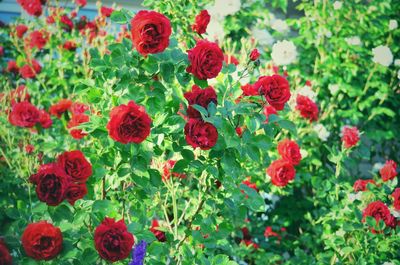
[119,17]
[254,201]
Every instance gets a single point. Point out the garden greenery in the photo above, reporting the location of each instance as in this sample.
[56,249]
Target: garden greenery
[201,132]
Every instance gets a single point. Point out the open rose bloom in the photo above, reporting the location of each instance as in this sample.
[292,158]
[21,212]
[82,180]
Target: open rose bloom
[199,132]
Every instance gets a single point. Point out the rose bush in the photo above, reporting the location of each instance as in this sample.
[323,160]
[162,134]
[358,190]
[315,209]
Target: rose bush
[201,132]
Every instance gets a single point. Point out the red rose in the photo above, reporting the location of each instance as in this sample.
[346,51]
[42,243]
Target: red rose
[396,198]
[78,108]
[42,241]
[167,171]
[62,106]
[75,165]
[69,45]
[201,22]
[30,70]
[200,134]
[32,7]
[112,240]
[21,29]
[361,184]
[29,149]
[5,257]
[205,60]
[81,3]
[76,120]
[160,235]
[50,20]
[350,136]
[250,243]
[129,123]
[12,67]
[240,131]
[19,95]
[270,233]
[254,55]
[308,109]
[75,192]
[276,90]
[44,119]
[51,184]
[290,151]
[230,59]
[106,11]
[73,14]
[281,172]
[249,184]
[66,22]
[248,90]
[379,211]
[201,97]
[37,39]
[24,114]
[150,32]
[388,171]
[269,110]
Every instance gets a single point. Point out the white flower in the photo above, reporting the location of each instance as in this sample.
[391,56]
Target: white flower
[388,263]
[398,74]
[353,197]
[284,52]
[215,30]
[397,62]
[279,25]
[307,91]
[340,232]
[263,37]
[337,5]
[395,213]
[355,40]
[382,55]
[222,8]
[377,166]
[333,88]
[264,217]
[321,131]
[393,24]
[328,34]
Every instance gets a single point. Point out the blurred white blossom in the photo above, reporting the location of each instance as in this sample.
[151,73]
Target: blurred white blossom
[333,88]
[222,8]
[215,30]
[284,52]
[356,196]
[398,74]
[321,131]
[382,55]
[393,24]
[337,5]
[263,37]
[307,91]
[397,62]
[355,40]
[377,166]
[279,25]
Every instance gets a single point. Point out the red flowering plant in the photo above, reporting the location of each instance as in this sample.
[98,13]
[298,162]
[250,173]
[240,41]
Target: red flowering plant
[179,134]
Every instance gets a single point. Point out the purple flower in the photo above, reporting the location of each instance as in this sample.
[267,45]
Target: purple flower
[138,253]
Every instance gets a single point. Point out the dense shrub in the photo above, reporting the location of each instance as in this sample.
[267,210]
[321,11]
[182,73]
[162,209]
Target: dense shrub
[201,132]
